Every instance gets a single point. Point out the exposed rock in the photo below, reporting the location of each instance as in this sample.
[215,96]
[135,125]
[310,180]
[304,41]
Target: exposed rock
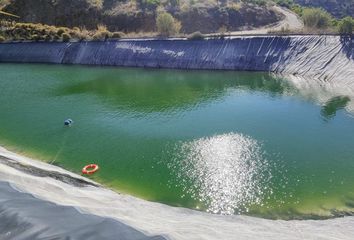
[58,12]
[127,16]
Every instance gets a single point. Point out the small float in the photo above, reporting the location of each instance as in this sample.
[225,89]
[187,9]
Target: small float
[68,122]
[90,169]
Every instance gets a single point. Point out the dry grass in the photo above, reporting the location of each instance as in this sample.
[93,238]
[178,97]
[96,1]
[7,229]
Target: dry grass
[235,6]
[120,8]
[304,31]
[141,35]
[39,32]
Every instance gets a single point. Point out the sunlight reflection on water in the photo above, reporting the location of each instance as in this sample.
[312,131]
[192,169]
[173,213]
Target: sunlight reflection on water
[228,172]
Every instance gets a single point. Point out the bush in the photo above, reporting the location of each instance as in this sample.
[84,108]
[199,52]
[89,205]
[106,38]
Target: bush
[61,31]
[66,37]
[296,8]
[167,25]
[117,35]
[346,25]
[148,4]
[41,32]
[2,39]
[316,18]
[285,3]
[56,37]
[101,36]
[195,36]
[47,38]
[34,37]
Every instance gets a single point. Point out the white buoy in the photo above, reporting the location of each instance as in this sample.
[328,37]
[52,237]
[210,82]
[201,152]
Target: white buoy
[68,122]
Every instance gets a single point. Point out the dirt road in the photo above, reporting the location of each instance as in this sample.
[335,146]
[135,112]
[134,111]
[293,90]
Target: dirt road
[291,22]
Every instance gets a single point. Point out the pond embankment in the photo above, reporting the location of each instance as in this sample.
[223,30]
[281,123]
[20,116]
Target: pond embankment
[329,58]
[127,216]
[322,57]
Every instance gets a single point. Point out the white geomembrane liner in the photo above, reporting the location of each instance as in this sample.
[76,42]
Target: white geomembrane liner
[228,172]
[174,223]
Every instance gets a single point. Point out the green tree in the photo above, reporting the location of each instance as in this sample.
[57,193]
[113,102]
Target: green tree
[167,25]
[346,25]
[316,18]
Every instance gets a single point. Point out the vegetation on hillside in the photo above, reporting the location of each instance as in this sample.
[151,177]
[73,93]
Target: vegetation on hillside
[318,20]
[337,8]
[41,32]
[140,15]
[100,20]
[346,25]
[167,25]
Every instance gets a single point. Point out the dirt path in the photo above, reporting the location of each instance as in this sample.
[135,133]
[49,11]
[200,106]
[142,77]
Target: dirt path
[291,22]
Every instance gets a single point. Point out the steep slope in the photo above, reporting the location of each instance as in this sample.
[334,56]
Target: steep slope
[321,57]
[291,21]
[58,12]
[133,16]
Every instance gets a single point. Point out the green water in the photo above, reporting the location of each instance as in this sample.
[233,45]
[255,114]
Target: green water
[222,142]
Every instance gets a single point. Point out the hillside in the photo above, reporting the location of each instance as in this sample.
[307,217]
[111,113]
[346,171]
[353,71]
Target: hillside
[338,8]
[139,15]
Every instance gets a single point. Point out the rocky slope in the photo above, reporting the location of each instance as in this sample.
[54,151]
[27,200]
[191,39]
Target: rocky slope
[128,15]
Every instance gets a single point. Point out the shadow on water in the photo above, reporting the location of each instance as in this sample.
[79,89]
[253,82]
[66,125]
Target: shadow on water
[158,91]
[333,105]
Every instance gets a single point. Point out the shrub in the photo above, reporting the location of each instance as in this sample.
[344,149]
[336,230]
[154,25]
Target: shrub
[84,34]
[101,36]
[296,8]
[35,37]
[40,32]
[148,4]
[195,36]
[316,18]
[47,38]
[2,39]
[346,25]
[66,37]
[285,3]
[167,25]
[235,6]
[61,31]
[117,35]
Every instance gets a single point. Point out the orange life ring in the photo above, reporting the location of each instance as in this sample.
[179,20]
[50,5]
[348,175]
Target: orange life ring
[94,168]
